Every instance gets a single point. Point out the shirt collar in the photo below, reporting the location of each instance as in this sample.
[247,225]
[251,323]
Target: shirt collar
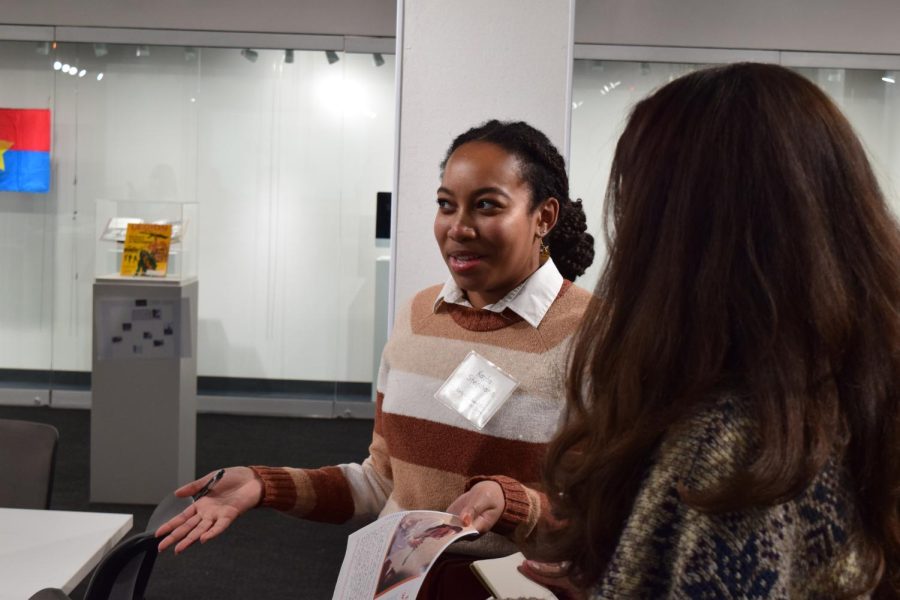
[530,300]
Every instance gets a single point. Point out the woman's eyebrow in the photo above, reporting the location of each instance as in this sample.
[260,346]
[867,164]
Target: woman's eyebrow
[478,192]
[490,190]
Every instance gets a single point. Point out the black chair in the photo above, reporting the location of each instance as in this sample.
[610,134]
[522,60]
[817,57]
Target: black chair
[121,575]
[170,506]
[124,572]
[27,458]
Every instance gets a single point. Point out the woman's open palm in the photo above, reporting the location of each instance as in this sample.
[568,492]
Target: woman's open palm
[238,491]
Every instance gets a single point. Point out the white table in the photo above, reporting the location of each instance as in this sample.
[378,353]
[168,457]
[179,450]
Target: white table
[53,548]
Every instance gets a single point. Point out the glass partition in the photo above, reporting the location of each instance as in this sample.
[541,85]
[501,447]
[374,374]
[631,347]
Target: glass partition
[26,221]
[605,91]
[282,152]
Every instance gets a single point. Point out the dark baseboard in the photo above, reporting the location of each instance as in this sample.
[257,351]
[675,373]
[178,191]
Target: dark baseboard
[207,386]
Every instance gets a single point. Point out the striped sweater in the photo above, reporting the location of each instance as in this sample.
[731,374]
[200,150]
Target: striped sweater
[422,453]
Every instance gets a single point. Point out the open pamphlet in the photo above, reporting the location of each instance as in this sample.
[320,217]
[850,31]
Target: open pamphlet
[389,559]
[502,577]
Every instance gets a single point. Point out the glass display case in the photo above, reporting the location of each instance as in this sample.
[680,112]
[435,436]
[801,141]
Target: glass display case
[112,219]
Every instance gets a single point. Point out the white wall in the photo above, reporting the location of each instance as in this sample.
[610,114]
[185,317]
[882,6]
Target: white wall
[291,159]
[336,17]
[464,62]
[814,25]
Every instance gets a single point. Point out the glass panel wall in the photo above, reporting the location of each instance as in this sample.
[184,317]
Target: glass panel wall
[605,91]
[26,296]
[283,152]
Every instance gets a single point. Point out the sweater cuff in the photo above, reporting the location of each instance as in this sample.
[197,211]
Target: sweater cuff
[516,510]
[279,489]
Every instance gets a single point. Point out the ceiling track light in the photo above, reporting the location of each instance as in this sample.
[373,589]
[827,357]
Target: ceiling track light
[100,50]
[190,53]
[249,54]
[889,77]
[43,48]
[378,59]
[142,51]
[332,56]
[289,56]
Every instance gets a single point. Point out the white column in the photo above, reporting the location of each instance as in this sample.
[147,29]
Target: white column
[461,63]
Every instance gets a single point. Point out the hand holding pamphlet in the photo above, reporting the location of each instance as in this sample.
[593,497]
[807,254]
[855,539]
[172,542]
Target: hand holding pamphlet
[390,558]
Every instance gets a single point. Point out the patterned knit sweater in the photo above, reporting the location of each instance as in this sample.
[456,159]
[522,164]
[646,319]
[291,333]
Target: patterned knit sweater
[422,452]
[802,548]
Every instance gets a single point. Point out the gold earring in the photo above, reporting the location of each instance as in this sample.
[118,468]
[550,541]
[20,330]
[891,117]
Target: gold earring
[545,251]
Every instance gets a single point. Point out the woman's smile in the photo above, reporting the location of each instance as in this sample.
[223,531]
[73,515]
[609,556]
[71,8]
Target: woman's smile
[462,262]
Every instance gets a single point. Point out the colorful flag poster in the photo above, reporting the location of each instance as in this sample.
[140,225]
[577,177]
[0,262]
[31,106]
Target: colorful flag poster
[25,150]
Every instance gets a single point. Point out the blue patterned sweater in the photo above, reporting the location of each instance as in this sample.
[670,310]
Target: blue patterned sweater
[803,548]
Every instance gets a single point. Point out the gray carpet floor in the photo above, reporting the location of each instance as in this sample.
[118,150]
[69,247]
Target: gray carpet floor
[264,554]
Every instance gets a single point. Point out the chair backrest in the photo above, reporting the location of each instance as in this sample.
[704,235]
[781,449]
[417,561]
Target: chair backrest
[124,572]
[50,594]
[168,507]
[27,457]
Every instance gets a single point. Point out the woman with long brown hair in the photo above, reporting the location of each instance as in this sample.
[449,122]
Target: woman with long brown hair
[733,391]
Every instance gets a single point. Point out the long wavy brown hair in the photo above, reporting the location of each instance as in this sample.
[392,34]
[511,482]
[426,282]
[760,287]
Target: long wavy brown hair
[751,252]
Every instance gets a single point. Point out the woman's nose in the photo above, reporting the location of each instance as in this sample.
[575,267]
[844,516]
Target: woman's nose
[461,230]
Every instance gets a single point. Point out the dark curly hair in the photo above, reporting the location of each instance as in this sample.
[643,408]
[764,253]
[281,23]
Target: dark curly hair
[544,170]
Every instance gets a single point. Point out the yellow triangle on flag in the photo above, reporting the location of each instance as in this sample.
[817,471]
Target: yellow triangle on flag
[4,146]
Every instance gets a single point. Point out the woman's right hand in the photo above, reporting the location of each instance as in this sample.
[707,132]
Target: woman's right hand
[553,576]
[238,491]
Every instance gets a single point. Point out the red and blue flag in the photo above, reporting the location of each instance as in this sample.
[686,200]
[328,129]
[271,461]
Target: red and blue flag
[24,150]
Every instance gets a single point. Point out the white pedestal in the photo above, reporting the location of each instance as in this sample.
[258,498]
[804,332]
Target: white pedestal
[144,403]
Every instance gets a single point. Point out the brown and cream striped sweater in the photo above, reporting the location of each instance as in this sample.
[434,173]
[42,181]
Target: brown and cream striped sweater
[422,453]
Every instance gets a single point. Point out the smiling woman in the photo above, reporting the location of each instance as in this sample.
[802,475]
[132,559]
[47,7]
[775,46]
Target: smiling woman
[523,164]
[485,226]
[503,318]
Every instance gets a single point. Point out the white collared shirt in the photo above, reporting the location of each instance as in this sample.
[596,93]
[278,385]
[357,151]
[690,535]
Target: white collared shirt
[530,300]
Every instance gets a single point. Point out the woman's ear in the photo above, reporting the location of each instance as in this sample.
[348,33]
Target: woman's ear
[547,215]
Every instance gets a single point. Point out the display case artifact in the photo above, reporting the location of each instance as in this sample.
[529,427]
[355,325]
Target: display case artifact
[112,220]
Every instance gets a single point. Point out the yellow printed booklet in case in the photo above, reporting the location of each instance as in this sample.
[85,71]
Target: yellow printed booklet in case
[146,251]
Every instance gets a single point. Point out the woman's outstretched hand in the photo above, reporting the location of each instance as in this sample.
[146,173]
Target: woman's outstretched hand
[238,491]
[481,507]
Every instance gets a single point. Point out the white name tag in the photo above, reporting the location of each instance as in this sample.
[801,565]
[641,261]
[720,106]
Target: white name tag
[476,389]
